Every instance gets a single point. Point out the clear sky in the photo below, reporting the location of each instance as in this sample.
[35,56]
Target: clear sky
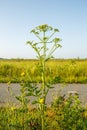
[19,17]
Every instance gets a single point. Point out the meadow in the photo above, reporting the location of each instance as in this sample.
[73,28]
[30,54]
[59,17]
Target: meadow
[57,71]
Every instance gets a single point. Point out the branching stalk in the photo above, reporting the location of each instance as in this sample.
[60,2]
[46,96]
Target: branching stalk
[41,49]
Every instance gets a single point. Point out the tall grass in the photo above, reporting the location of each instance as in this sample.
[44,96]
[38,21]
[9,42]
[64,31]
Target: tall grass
[57,71]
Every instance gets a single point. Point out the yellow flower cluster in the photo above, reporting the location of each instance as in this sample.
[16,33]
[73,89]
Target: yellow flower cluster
[13,108]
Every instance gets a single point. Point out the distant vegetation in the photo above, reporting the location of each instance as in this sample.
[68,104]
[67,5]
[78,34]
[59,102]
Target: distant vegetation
[57,71]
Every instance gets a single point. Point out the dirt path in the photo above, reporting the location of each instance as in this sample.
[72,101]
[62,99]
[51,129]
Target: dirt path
[6,96]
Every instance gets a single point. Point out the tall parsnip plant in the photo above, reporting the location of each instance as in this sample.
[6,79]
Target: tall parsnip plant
[44,47]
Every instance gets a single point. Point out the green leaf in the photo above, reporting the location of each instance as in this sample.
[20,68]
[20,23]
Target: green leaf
[49,86]
[35,102]
[18,98]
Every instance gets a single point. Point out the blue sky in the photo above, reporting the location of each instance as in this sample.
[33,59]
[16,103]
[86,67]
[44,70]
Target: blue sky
[19,17]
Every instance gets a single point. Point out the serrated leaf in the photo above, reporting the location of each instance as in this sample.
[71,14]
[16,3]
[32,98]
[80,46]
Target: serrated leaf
[18,98]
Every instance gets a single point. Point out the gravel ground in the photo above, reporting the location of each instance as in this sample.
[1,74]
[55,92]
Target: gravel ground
[6,96]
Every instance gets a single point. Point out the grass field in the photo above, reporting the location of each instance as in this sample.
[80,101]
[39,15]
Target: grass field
[57,71]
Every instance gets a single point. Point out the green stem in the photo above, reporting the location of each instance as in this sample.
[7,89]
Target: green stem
[43,66]
[42,117]
[43,82]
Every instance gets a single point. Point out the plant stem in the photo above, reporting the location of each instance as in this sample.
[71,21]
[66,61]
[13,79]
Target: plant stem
[43,82]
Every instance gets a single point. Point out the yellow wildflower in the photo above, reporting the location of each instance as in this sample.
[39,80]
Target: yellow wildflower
[13,108]
[23,73]
[41,101]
